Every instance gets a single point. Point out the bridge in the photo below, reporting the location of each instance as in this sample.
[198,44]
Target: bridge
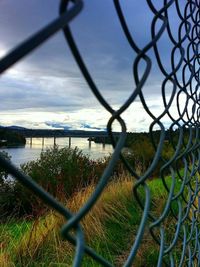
[90,139]
[60,133]
[56,134]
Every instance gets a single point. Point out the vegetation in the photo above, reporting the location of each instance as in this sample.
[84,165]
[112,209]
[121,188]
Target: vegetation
[61,172]
[110,228]
[29,231]
[11,139]
[141,148]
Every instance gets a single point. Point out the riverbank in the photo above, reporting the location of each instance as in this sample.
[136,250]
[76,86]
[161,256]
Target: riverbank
[11,139]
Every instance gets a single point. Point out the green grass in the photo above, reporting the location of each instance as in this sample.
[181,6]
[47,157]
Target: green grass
[110,229]
[15,229]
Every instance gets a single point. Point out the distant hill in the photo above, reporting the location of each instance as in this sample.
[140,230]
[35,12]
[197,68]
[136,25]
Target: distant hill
[53,133]
[14,127]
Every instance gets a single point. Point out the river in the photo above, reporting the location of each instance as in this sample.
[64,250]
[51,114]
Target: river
[32,151]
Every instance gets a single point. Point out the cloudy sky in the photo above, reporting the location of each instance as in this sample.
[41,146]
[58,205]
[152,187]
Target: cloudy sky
[47,90]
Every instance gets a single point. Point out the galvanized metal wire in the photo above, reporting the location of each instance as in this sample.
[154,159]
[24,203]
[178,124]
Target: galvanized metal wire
[183,79]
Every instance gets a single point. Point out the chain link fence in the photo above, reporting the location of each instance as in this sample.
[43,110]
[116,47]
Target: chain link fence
[183,79]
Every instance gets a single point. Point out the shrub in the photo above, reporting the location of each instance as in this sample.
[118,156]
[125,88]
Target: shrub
[61,172]
[140,155]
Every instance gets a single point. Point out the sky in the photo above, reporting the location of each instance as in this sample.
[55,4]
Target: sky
[47,90]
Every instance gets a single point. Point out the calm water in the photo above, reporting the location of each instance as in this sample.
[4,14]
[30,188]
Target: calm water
[31,152]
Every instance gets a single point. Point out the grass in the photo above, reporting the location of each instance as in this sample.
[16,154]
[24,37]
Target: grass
[110,229]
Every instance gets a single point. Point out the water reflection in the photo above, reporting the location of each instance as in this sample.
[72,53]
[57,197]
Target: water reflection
[34,146]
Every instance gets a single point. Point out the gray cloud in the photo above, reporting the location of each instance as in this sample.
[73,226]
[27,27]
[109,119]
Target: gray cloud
[49,79]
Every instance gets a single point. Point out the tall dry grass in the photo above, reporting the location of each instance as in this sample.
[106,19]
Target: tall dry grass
[110,228]
[44,233]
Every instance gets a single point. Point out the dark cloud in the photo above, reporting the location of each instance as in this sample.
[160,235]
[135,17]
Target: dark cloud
[49,78]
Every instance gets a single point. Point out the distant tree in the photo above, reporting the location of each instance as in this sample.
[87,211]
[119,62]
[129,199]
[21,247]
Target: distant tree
[12,138]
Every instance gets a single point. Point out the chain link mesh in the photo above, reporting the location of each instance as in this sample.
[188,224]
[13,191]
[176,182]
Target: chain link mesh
[183,79]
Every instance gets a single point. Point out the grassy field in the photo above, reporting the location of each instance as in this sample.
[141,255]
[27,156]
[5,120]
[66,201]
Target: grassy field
[110,228]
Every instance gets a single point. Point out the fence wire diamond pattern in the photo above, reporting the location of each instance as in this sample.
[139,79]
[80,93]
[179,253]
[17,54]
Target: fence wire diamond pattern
[183,79]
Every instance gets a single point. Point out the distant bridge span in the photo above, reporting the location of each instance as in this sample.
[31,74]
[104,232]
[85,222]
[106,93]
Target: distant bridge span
[91,137]
[46,133]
